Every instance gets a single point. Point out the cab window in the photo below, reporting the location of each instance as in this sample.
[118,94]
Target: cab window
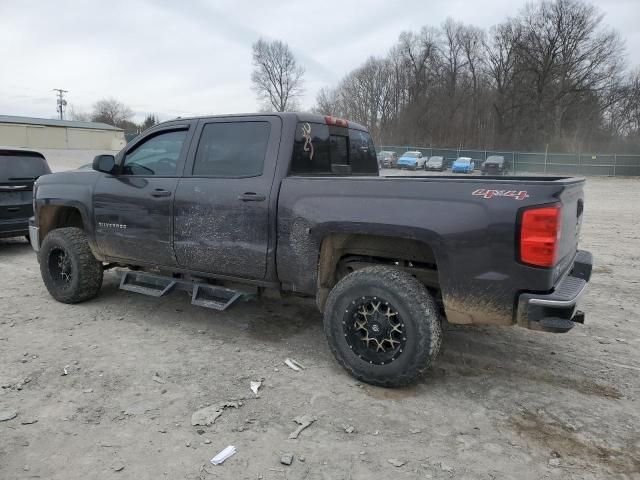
[158,155]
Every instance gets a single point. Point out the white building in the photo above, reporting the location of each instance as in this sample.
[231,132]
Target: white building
[42,133]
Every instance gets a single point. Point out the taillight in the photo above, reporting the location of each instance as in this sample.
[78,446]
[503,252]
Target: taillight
[338,122]
[540,236]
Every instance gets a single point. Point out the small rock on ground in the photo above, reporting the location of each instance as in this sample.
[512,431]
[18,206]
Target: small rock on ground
[7,415]
[286,459]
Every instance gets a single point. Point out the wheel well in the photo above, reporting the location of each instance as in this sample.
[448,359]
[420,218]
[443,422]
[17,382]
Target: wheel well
[51,217]
[340,254]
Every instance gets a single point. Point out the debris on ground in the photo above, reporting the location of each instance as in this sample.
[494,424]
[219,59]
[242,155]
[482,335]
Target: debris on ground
[349,428]
[87,390]
[286,459]
[65,371]
[118,467]
[255,386]
[157,378]
[291,363]
[395,462]
[7,415]
[223,455]
[208,415]
[304,421]
[29,421]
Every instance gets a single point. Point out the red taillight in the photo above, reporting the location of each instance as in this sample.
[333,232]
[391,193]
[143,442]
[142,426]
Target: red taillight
[540,236]
[338,122]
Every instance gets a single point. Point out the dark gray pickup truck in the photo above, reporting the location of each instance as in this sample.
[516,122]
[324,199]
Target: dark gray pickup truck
[294,202]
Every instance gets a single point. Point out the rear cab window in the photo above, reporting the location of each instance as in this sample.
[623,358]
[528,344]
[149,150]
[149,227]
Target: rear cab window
[321,149]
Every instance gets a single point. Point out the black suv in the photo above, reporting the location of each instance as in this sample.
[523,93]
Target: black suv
[19,169]
[494,165]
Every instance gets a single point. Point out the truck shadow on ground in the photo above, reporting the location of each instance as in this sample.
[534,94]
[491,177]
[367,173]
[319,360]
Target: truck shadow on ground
[13,246]
[469,354]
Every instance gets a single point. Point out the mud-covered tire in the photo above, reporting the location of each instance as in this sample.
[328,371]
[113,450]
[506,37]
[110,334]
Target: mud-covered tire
[421,326]
[84,272]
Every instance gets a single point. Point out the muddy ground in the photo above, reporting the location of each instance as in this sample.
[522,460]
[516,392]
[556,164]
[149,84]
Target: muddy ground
[500,403]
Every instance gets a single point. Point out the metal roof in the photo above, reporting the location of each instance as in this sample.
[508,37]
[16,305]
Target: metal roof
[55,123]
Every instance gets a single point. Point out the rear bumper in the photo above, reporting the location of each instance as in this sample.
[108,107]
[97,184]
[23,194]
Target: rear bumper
[556,311]
[16,227]
[34,235]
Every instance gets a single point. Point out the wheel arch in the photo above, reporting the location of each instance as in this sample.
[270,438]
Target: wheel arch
[51,216]
[419,257]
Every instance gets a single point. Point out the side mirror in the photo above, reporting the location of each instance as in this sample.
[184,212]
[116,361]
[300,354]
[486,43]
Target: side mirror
[104,163]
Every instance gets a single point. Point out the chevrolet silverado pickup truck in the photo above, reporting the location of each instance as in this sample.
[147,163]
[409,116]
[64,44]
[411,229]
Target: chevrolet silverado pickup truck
[294,202]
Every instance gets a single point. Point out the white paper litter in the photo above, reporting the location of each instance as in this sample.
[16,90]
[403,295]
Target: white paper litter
[255,386]
[291,363]
[223,455]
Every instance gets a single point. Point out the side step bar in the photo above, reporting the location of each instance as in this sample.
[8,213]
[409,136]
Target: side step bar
[202,294]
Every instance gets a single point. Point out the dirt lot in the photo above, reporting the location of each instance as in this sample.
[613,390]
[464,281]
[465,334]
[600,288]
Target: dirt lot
[500,403]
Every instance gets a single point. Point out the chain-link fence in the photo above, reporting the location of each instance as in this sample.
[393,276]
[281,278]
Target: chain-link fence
[517,163]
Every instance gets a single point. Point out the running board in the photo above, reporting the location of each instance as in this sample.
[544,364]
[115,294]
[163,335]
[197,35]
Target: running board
[202,294]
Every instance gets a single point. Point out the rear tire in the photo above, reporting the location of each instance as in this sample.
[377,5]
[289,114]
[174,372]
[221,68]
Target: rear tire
[70,271]
[378,308]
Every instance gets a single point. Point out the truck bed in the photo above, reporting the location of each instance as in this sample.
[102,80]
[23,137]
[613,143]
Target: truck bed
[469,224]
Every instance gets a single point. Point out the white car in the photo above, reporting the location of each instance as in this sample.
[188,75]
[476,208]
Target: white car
[412,159]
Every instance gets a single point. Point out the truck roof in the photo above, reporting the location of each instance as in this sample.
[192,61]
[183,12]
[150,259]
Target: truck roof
[298,116]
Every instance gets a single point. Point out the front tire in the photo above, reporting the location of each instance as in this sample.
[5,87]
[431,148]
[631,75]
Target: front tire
[70,271]
[383,326]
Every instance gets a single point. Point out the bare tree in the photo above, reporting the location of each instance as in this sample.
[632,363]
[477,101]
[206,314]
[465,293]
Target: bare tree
[277,77]
[111,111]
[149,121]
[74,114]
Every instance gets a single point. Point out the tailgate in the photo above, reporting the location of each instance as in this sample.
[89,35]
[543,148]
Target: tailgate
[16,200]
[572,201]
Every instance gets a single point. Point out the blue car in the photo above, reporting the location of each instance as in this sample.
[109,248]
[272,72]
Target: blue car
[463,165]
[412,160]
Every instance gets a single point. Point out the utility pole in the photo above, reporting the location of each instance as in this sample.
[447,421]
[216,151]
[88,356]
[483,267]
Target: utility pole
[62,103]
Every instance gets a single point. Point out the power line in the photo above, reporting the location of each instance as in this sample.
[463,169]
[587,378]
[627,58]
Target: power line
[62,103]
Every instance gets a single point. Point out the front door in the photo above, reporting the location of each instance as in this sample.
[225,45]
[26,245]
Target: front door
[134,207]
[222,201]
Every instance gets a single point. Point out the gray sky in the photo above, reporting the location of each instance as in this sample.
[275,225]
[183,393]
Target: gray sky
[194,57]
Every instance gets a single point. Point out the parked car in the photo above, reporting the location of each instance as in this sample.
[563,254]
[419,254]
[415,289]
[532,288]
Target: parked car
[463,165]
[294,202]
[387,159]
[412,160]
[435,163]
[494,165]
[19,169]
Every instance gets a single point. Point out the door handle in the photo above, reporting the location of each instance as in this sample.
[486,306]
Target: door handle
[160,192]
[251,197]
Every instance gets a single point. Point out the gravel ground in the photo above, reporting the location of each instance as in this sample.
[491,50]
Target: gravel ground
[500,403]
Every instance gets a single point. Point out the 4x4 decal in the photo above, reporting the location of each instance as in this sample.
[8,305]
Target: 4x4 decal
[516,194]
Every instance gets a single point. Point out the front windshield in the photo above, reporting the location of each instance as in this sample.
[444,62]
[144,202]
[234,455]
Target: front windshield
[411,154]
[463,161]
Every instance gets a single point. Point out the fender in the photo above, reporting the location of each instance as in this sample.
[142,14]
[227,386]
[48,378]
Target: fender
[72,189]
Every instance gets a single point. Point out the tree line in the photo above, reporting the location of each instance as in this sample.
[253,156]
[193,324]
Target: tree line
[552,77]
[113,112]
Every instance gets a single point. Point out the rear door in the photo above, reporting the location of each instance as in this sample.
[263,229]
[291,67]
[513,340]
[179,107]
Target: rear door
[134,208]
[18,171]
[222,213]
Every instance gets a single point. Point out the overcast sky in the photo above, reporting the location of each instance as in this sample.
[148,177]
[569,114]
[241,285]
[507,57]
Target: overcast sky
[194,57]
